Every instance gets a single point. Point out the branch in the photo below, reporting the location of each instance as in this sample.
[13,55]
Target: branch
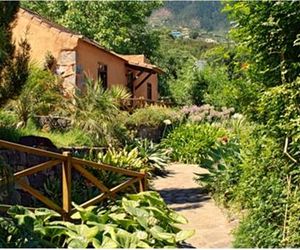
[286,152]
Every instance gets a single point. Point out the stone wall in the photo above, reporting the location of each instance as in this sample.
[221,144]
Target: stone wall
[152,133]
[66,69]
[53,123]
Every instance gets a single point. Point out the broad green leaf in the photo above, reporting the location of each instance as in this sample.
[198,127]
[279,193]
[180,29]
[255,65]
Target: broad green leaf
[76,216]
[116,216]
[159,214]
[108,243]
[96,243]
[142,235]
[127,240]
[88,232]
[143,221]
[131,208]
[159,234]
[78,243]
[178,217]
[45,214]
[129,203]
[184,234]
[142,244]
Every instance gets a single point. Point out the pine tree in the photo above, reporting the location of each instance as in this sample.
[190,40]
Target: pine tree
[13,62]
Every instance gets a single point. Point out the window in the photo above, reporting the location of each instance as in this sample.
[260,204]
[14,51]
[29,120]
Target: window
[102,75]
[149,91]
[130,79]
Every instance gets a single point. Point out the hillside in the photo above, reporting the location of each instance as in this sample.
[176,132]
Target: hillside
[199,15]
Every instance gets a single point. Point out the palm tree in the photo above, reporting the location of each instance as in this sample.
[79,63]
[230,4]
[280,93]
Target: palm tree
[94,110]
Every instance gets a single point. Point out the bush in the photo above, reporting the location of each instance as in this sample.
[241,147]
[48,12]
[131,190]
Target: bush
[278,109]
[189,141]
[8,122]
[137,221]
[152,116]
[41,95]
[128,159]
[222,92]
[154,156]
[250,172]
[96,112]
[7,119]
[188,86]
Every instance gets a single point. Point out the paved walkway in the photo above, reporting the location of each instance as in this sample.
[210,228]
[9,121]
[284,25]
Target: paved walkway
[183,194]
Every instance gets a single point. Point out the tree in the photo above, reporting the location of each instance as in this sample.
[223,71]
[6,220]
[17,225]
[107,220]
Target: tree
[269,29]
[118,25]
[13,63]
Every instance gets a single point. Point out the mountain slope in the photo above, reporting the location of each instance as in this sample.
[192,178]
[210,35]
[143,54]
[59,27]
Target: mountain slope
[204,15]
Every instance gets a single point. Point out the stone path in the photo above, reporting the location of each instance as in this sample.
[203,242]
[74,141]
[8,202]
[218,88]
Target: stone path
[183,194]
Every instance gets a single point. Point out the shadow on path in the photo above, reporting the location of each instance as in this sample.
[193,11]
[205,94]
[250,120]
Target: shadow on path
[189,197]
[164,174]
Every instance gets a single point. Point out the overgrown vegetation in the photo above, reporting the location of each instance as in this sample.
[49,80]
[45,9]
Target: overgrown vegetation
[152,116]
[13,62]
[137,221]
[252,157]
[255,170]
[189,141]
[95,111]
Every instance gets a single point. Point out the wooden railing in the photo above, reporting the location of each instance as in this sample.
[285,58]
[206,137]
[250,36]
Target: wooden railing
[68,164]
[134,103]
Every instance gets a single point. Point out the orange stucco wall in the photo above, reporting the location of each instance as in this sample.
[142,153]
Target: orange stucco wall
[142,90]
[88,57]
[42,37]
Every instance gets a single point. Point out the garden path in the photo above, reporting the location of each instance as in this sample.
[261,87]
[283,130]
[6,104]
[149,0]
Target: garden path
[184,195]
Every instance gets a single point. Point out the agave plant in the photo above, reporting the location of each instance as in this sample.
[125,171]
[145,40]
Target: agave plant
[128,159]
[154,156]
[95,110]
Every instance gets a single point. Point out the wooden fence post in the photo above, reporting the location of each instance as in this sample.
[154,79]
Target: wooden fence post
[143,182]
[66,185]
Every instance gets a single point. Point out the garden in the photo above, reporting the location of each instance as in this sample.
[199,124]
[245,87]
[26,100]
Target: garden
[238,118]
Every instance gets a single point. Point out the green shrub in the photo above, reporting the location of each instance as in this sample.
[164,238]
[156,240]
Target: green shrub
[8,119]
[154,156]
[10,134]
[189,142]
[154,116]
[278,109]
[137,221]
[222,92]
[122,158]
[41,95]
[251,173]
[223,161]
[96,112]
[8,131]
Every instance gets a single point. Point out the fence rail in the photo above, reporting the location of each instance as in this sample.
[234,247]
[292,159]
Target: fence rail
[68,164]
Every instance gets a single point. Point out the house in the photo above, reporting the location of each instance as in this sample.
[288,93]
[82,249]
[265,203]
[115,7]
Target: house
[73,56]
[176,34]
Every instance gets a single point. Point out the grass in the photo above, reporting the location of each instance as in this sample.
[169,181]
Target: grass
[72,137]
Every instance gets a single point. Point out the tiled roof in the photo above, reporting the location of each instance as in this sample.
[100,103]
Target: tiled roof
[141,61]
